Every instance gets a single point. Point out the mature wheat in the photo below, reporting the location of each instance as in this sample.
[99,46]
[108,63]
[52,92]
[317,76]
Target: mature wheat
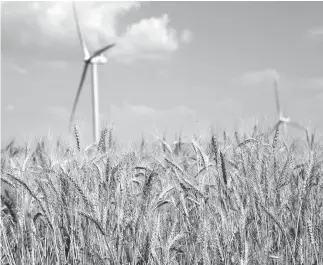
[243,201]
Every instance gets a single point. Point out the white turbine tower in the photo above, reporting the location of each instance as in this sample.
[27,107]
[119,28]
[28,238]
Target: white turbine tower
[95,59]
[283,120]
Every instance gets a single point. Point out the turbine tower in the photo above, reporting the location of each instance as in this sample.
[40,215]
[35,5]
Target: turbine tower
[97,58]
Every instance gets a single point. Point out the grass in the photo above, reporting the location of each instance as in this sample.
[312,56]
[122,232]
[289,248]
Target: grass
[246,200]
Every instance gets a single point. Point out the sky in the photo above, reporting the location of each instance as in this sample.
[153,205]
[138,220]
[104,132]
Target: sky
[176,67]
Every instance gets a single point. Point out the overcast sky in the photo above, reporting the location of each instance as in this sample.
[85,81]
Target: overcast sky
[177,66]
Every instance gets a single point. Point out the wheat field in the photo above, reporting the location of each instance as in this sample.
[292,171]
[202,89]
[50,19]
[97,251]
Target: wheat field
[222,200]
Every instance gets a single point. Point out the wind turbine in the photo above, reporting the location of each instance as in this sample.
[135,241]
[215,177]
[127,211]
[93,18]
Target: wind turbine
[281,118]
[97,58]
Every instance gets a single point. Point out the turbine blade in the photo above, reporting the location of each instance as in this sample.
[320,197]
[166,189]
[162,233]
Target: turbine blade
[79,32]
[280,114]
[78,92]
[105,48]
[296,125]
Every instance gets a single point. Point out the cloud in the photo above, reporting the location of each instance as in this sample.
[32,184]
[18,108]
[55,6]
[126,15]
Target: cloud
[186,36]
[150,38]
[257,77]
[316,32]
[53,22]
[18,69]
[141,112]
[142,116]
[132,119]
[152,34]
[9,107]
[58,112]
[316,83]
[319,97]
[162,72]
[12,64]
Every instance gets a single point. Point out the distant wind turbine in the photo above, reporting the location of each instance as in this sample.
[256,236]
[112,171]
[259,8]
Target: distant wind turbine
[283,120]
[95,59]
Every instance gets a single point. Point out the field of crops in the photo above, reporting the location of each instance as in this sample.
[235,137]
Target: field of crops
[228,199]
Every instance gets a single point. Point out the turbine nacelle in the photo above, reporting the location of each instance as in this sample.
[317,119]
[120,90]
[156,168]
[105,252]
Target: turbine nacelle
[283,120]
[100,59]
